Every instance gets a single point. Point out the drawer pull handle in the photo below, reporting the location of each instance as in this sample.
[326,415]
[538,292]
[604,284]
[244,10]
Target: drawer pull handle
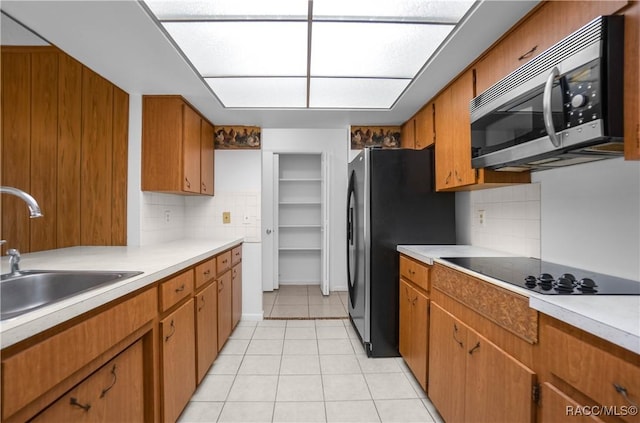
[173,330]
[224,261]
[113,382]
[623,391]
[207,272]
[472,350]
[74,401]
[455,332]
[446,181]
[186,180]
[180,289]
[204,187]
[528,54]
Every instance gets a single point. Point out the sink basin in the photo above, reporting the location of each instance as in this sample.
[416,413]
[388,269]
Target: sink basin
[32,289]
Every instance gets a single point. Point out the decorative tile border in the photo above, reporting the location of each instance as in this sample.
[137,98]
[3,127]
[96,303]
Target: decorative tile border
[237,137]
[375,136]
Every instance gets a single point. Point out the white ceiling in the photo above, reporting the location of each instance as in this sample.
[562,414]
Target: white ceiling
[119,40]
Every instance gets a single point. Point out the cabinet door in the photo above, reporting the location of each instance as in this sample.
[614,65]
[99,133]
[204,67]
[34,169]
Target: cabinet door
[498,387]
[420,341]
[408,137]
[206,158]
[444,142]
[114,393]
[447,363]
[206,328]
[404,342]
[556,406]
[424,127]
[461,95]
[178,360]
[191,150]
[236,295]
[224,308]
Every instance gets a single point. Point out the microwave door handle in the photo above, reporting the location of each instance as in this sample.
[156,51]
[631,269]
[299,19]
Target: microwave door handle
[546,107]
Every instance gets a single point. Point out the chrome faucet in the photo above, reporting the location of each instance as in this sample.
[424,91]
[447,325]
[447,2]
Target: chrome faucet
[14,260]
[34,208]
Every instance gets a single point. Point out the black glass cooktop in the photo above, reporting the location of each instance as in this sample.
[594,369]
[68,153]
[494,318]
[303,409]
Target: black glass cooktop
[547,278]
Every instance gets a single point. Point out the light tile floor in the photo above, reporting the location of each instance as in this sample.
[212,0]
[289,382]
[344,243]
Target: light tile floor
[304,302]
[305,371]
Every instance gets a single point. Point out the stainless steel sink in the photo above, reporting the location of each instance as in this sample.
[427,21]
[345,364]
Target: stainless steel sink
[32,289]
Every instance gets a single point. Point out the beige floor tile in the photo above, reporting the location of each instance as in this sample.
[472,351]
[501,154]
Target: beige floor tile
[351,412]
[265,347]
[339,364]
[335,346]
[226,365]
[379,365]
[300,365]
[299,388]
[269,297]
[246,412]
[266,309]
[260,365]
[253,388]
[266,332]
[201,412]
[322,300]
[213,388]
[289,311]
[332,332]
[235,347]
[242,332]
[300,347]
[345,387]
[308,323]
[329,322]
[300,333]
[403,411]
[432,410]
[272,324]
[390,386]
[247,323]
[292,300]
[332,310]
[292,290]
[299,412]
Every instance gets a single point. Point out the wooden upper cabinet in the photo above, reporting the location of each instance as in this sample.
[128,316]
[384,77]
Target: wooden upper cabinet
[172,147]
[543,28]
[207,158]
[408,137]
[424,127]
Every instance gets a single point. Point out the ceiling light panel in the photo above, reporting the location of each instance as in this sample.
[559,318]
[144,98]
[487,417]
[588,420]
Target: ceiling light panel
[373,49]
[396,10]
[229,9]
[260,92]
[355,93]
[243,48]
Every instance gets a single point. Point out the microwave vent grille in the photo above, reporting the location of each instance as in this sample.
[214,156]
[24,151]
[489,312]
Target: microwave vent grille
[584,37]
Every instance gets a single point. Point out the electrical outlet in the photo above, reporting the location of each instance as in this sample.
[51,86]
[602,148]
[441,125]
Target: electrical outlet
[226,217]
[481,217]
[245,219]
[167,216]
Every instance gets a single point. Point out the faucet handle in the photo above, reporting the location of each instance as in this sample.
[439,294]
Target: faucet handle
[15,255]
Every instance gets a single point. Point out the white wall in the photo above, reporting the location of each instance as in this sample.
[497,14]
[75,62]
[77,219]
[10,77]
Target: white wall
[589,217]
[334,142]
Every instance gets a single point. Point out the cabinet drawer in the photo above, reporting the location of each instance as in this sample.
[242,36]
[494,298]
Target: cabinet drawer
[69,351]
[236,255]
[223,262]
[114,393]
[415,272]
[205,272]
[593,371]
[175,289]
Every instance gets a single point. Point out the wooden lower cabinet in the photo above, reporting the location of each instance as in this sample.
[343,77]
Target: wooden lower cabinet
[114,393]
[414,330]
[236,295]
[177,360]
[206,328]
[224,308]
[471,379]
[557,405]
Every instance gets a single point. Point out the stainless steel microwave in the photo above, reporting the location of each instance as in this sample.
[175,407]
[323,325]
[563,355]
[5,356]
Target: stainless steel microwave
[563,107]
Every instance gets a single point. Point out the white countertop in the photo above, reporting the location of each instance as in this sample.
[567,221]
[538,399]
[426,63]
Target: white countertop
[156,262]
[615,318]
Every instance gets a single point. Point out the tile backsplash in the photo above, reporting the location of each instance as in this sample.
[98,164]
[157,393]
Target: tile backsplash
[168,217]
[507,219]
[204,216]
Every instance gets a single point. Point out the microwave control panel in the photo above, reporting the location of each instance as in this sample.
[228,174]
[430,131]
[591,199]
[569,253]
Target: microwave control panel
[581,95]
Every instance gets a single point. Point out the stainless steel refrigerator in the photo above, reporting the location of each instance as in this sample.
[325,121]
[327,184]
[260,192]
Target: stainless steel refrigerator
[391,201]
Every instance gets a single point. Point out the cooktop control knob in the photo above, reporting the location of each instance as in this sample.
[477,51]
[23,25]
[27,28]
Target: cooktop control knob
[530,281]
[587,285]
[564,284]
[578,100]
[568,276]
[546,281]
